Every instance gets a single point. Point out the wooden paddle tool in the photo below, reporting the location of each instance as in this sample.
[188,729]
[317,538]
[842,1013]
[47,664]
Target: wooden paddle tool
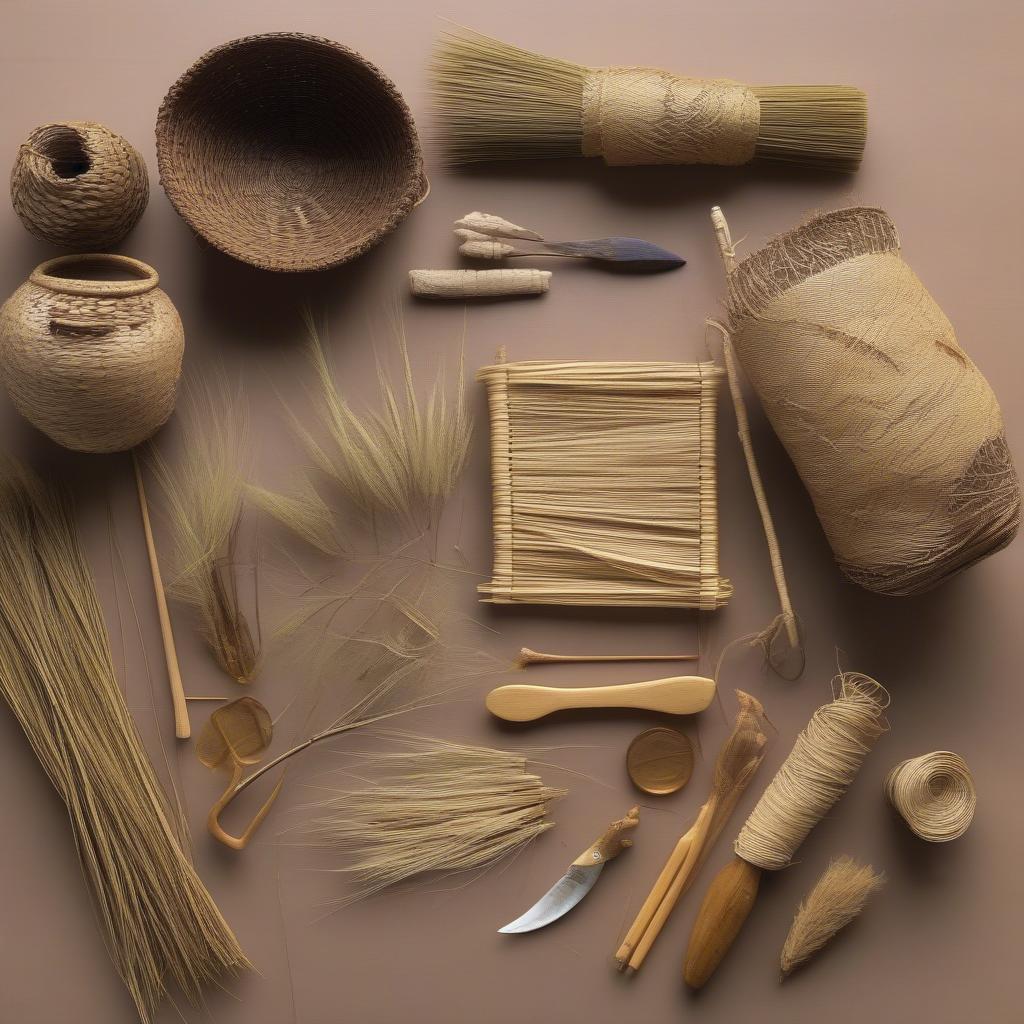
[675,695]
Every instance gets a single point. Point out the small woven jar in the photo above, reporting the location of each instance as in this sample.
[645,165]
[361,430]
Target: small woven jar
[90,351]
[79,185]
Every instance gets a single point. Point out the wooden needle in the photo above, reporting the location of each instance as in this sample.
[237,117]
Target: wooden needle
[182,727]
[529,657]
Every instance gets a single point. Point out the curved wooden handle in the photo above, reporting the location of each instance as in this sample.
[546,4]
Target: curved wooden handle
[213,818]
[676,695]
[728,901]
[612,843]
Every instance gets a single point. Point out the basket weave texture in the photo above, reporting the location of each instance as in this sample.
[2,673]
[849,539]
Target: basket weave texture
[90,351]
[79,185]
[289,152]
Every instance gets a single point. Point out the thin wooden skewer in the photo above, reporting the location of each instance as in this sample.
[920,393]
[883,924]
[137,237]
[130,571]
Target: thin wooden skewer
[182,727]
[529,657]
[721,227]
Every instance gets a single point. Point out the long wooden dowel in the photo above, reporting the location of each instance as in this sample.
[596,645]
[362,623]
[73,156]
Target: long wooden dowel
[182,726]
[529,657]
[725,246]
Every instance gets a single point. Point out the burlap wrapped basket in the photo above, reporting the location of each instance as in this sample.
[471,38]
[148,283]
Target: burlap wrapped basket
[893,429]
[288,151]
[78,184]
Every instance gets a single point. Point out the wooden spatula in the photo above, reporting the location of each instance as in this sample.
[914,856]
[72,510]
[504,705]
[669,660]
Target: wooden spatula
[676,695]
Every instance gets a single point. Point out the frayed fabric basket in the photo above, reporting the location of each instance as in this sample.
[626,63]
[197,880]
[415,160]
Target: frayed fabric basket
[79,185]
[894,431]
[289,152]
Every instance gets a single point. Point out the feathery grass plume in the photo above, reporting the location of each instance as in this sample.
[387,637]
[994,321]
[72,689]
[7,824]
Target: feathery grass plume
[836,899]
[400,462]
[385,647]
[434,807]
[203,492]
[302,511]
[158,921]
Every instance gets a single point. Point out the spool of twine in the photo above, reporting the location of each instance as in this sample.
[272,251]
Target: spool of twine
[635,116]
[934,794]
[824,761]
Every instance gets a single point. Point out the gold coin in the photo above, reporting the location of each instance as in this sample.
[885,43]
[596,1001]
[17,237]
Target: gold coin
[660,760]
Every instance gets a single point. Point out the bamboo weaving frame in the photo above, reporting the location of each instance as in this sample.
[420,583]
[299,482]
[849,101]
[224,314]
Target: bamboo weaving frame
[589,541]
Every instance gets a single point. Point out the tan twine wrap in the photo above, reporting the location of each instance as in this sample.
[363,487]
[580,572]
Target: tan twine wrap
[934,794]
[894,431]
[649,116]
[94,364]
[478,284]
[821,766]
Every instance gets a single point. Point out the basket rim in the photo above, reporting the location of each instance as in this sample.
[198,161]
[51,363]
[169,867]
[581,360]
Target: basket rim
[415,190]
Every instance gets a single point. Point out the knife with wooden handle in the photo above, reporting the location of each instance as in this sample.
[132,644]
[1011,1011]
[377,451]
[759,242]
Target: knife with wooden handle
[675,695]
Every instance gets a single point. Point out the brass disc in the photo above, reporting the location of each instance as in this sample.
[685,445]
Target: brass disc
[660,760]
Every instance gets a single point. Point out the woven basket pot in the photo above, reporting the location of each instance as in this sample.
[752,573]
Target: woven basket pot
[78,184]
[90,351]
[288,152]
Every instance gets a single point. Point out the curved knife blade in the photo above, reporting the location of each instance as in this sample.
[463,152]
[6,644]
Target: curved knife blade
[558,900]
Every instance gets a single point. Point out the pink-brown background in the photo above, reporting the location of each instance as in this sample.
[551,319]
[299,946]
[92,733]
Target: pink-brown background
[942,943]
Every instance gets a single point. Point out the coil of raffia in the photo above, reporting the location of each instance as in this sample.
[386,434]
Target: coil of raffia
[90,351]
[78,184]
[934,794]
[288,151]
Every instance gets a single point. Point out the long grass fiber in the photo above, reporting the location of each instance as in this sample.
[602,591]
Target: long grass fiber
[158,921]
[434,807]
[496,101]
[203,491]
[604,489]
[836,899]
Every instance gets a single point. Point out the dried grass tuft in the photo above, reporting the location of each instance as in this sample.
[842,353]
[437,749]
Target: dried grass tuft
[435,807]
[203,498]
[400,462]
[836,899]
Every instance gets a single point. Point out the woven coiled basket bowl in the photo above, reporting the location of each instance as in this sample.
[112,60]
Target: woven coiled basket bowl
[289,152]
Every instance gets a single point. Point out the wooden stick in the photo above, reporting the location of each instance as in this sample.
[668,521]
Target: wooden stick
[743,427]
[678,885]
[182,728]
[664,882]
[529,657]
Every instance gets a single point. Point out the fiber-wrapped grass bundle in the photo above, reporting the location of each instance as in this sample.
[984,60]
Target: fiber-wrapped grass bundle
[894,431]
